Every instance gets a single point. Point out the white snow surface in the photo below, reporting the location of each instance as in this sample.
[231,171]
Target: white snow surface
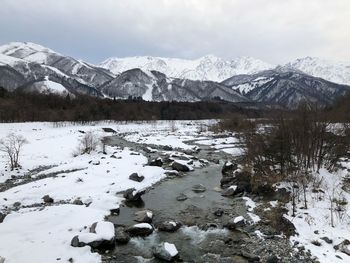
[46,233]
[208,67]
[318,218]
[238,219]
[143,225]
[171,248]
[334,71]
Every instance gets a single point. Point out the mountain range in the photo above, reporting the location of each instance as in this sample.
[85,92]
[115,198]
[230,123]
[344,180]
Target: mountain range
[31,67]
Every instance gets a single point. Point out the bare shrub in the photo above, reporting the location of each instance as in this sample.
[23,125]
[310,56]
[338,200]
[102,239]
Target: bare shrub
[88,143]
[12,145]
[293,149]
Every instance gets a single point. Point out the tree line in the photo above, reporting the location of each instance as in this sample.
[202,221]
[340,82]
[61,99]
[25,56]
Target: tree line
[19,107]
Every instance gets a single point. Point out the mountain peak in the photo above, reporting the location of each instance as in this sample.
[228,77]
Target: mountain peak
[12,47]
[208,67]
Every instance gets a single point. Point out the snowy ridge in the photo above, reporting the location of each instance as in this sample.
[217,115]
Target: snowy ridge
[334,71]
[208,67]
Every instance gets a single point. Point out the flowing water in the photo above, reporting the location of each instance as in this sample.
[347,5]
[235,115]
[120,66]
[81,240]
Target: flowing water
[202,232]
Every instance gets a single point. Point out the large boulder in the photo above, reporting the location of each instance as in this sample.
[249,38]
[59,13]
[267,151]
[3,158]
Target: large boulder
[142,229]
[144,216]
[101,236]
[169,226]
[121,236]
[228,168]
[235,223]
[133,195]
[180,166]
[156,162]
[242,179]
[165,251]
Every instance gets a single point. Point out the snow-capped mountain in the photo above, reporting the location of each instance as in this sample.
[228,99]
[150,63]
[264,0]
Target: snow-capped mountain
[208,67]
[286,87]
[156,86]
[334,71]
[30,67]
[30,52]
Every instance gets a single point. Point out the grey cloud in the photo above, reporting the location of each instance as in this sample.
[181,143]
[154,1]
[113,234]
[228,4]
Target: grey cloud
[273,30]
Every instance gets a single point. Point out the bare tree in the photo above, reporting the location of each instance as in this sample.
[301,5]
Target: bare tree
[88,143]
[12,145]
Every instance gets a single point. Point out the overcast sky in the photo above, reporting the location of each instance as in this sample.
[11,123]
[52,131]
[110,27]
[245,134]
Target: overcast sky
[275,31]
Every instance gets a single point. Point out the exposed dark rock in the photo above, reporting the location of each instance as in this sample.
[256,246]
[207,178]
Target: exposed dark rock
[242,179]
[235,223]
[47,199]
[108,130]
[142,229]
[181,197]
[163,252]
[98,243]
[327,240]
[121,236]
[343,247]
[231,191]
[2,217]
[169,226]
[180,167]
[171,173]
[199,188]
[228,168]
[272,259]
[135,177]
[218,212]
[133,195]
[17,204]
[167,148]
[78,202]
[156,162]
[144,216]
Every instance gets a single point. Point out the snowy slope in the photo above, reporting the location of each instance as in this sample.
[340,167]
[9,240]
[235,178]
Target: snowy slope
[286,87]
[208,67]
[30,52]
[334,71]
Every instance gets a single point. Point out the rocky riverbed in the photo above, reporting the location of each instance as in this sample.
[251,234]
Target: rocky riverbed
[188,210]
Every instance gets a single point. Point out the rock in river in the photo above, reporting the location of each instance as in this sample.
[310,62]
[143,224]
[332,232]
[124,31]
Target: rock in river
[198,188]
[231,191]
[181,197]
[165,251]
[238,221]
[180,166]
[121,236]
[101,236]
[169,226]
[142,229]
[144,216]
[133,195]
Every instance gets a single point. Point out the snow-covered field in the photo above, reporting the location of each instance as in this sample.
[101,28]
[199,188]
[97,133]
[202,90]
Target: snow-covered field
[46,232]
[315,224]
